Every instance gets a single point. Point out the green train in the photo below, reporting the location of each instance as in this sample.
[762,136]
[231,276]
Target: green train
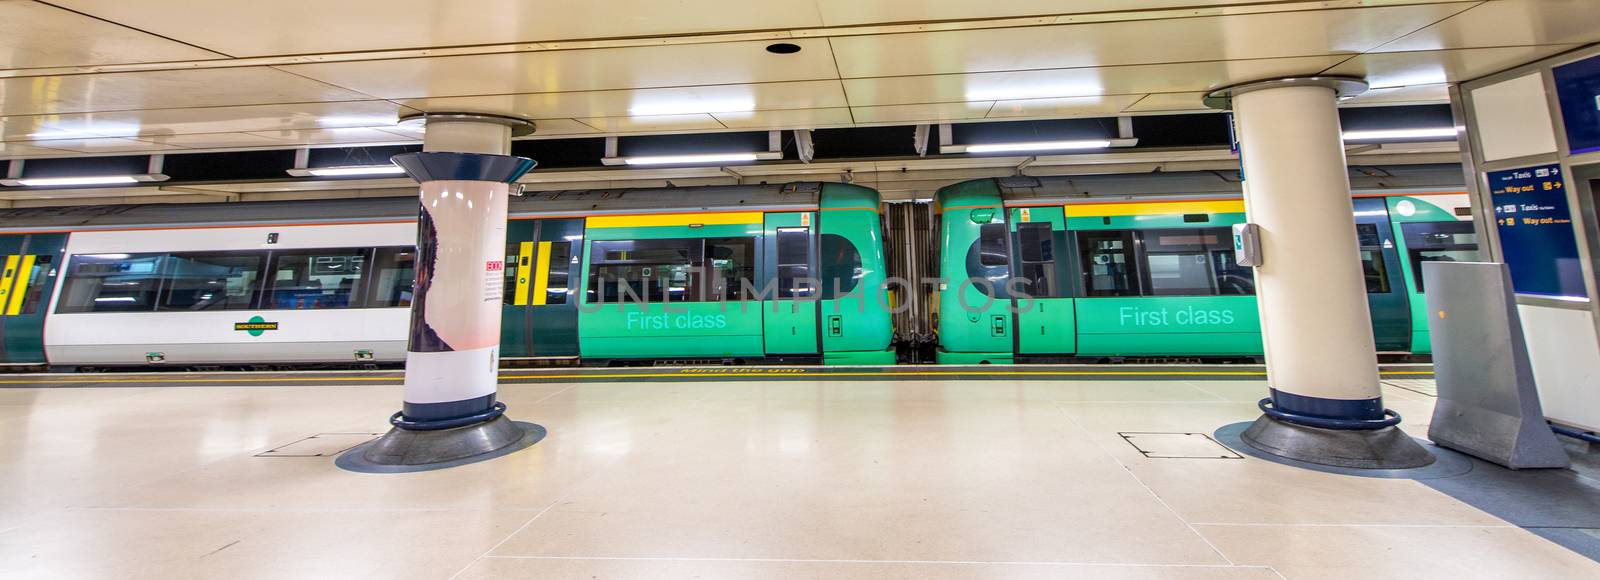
[777,274]
[1152,277]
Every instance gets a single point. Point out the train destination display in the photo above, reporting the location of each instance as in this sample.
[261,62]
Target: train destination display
[1536,236]
[1578,90]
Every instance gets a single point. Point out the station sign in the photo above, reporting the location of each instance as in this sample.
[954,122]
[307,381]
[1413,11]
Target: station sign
[1578,91]
[1537,239]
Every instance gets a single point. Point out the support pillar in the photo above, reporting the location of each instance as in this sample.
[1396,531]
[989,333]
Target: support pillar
[450,415]
[1325,405]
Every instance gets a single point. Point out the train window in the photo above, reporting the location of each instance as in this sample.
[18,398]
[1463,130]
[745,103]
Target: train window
[841,266]
[992,245]
[987,261]
[1036,252]
[1438,242]
[394,278]
[794,263]
[645,270]
[1179,262]
[315,279]
[211,281]
[728,262]
[1107,262]
[1375,271]
[556,280]
[111,283]
[1232,279]
[1194,262]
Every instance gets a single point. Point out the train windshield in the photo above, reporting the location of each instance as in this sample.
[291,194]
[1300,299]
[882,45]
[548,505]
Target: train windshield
[1438,242]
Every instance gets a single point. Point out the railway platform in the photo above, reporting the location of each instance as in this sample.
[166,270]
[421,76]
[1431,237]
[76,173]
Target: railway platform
[721,472]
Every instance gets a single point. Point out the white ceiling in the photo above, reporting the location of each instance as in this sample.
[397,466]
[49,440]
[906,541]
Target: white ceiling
[114,76]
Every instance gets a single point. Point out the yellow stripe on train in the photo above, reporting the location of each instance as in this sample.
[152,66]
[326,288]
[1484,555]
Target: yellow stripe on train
[541,276]
[6,276]
[1154,208]
[19,290]
[524,270]
[675,219]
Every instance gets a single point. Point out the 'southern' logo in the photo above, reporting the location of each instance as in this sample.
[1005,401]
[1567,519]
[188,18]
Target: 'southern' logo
[256,326]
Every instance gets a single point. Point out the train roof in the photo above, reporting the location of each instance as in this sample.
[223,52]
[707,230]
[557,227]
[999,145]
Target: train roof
[798,195]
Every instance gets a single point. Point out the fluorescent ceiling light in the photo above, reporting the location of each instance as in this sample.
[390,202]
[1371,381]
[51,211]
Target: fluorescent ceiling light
[348,171]
[100,180]
[1038,146]
[690,159]
[1424,133]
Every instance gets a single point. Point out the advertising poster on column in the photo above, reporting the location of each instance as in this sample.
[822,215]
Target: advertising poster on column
[1536,235]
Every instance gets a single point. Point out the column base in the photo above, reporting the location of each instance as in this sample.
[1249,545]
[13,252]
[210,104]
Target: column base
[1385,448]
[405,450]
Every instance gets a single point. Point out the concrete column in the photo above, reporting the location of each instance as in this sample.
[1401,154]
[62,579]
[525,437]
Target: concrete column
[1322,365]
[450,414]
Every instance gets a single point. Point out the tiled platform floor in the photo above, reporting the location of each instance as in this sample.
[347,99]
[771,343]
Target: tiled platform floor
[877,479]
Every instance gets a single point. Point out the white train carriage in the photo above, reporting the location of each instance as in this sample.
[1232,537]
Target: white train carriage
[185,296]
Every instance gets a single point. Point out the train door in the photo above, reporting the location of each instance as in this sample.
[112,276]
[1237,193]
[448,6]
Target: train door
[1380,266]
[28,267]
[1046,323]
[790,320]
[540,316]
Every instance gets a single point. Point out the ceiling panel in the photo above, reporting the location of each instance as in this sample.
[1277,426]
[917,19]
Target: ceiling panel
[162,89]
[105,145]
[1251,36]
[937,112]
[15,149]
[215,140]
[1393,69]
[668,101]
[1410,95]
[1108,105]
[331,136]
[1166,78]
[852,12]
[1169,102]
[654,123]
[791,119]
[577,70]
[155,122]
[35,35]
[316,26]
[1509,23]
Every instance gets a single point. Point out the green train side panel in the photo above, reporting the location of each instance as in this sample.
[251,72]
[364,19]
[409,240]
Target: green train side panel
[972,326]
[514,325]
[1403,210]
[539,330]
[691,329]
[26,302]
[790,326]
[1047,325]
[554,327]
[1176,325]
[858,322]
[973,358]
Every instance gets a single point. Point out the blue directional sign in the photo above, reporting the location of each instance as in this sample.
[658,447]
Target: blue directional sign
[1578,90]
[1536,235]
